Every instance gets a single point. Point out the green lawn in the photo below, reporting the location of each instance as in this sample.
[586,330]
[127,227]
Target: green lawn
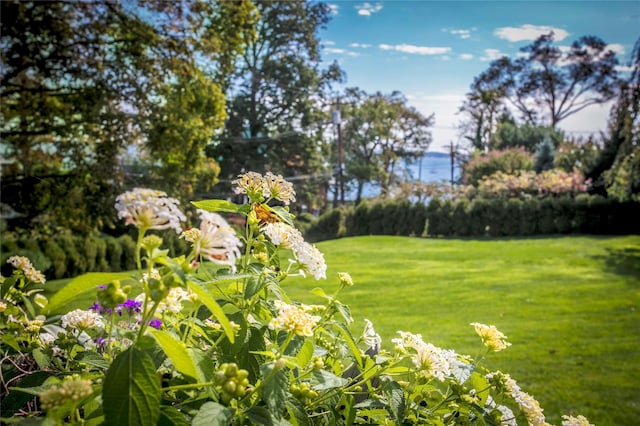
[569,305]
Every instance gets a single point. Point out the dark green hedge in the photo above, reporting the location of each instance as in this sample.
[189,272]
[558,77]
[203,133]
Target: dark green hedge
[66,255]
[482,217]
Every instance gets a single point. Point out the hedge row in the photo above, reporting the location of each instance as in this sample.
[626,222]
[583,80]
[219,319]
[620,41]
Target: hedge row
[66,255]
[482,217]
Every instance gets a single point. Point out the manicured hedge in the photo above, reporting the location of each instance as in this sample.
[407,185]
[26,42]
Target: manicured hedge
[482,217]
[65,255]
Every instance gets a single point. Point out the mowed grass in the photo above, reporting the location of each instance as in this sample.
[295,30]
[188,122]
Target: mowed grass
[569,305]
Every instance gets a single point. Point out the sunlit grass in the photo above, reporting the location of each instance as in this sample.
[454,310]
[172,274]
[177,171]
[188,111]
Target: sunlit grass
[569,305]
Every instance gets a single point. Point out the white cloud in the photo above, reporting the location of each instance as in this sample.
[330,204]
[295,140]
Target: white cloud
[616,48]
[417,50]
[334,9]
[624,68]
[466,56]
[492,54]
[337,51]
[529,32]
[360,45]
[368,9]
[328,43]
[462,33]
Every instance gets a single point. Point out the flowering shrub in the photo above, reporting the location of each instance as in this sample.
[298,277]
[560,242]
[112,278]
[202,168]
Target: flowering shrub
[211,337]
[527,183]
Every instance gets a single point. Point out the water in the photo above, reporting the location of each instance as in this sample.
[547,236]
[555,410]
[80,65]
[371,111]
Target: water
[432,167]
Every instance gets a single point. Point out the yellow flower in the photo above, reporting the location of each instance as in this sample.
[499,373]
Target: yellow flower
[491,337]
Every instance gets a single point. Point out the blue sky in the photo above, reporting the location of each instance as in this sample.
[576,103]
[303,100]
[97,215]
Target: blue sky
[432,50]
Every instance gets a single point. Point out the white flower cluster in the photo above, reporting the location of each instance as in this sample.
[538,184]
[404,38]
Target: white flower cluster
[307,255]
[527,404]
[173,302]
[24,264]
[431,360]
[73,388]
[215,239]
[508,418]
[293,318]
[82,320]
[149,209]
[575,421]
[268,186]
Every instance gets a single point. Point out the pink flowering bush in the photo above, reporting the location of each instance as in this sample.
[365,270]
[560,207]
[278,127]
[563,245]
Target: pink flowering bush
[211,337]
[524,184]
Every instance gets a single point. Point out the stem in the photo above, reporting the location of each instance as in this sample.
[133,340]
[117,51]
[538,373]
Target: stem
[189,386]
[139,248]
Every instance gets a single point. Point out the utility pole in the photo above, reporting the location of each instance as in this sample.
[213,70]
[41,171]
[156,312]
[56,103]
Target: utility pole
[452,155]
[336,122]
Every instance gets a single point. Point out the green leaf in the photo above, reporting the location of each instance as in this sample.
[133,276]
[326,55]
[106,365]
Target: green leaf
[6,285]
[283,214]
[326,380]
[204,364]
[320,293]
[131,393]
[11,341]
[481,385]
[176,351]
[41,359]
[275,387]
[254,285]
[395,398]
[93,359]
[351,343]
[297,414]
[175,267]
[64,298]
[215,309]
[213,414]
[169,416]
[344,311]
[304,354]
[217,206]
[260,416]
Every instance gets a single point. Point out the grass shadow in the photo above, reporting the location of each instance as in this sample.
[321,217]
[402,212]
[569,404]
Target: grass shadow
[622,261]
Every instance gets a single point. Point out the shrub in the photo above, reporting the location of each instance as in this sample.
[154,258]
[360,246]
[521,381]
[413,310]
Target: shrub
[508,161]
[357,221]
[128,260]
[329,226]
[58,258]
[114,254]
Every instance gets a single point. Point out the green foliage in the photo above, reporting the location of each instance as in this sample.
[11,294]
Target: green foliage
[508,161]
[544,155]
[527,136]
[327,227]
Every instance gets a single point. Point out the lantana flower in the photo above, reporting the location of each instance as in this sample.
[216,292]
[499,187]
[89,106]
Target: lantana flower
[575,421]
[82,320]
[428,358]
[73,388]
[493,339]
[527,404]
[149,209]
[293,318]
[24,264]
[307,255]
[215,239]
[269,186]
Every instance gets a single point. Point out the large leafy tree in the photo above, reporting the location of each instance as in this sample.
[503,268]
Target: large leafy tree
[277,110]
[380,130]
[83,81]
[545,85]
[616,171]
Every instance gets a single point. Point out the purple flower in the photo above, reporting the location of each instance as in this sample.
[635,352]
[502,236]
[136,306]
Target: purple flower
[97,307]
[131,306]
[155,323]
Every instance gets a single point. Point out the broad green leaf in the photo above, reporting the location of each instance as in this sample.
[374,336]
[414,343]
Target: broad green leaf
[320,293]
[283,214]
[352,345]
[6,285]
[176,351]
[204,364]
[326,380]
[175,267]
[217,206]
[275,387]
[41,359]
[304,354]
[297,414]
[260,416]
[344,311]
[213,414]
[11,341]
[131,393]
[64,297]
[169,416]
[481,385]
[94,359]
[254,285]
[215,309]
[395,398]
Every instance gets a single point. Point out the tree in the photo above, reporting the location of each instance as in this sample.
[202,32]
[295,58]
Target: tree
[544,155]
[511,135]
[379,130]
[617,168]
[83,81]
[546,85]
